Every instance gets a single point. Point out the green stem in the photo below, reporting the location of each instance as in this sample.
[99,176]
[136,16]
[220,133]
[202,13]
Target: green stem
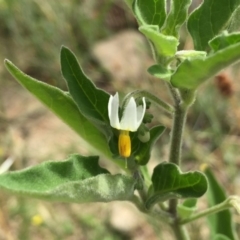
[180,232]
[175,156]
[232,201]
[142,93]
[176,145]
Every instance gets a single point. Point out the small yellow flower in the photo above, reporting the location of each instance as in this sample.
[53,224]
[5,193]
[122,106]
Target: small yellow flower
[131,119]
[37,220]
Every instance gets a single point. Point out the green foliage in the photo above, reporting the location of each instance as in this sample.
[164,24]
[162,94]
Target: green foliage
[224,40]
[150,12]
[187,208]
[143,150]
[209,20]
[160,71]
[63,106]
[165,45]
[192,72]
[221,237]
[78,179]
[169,182]
[84,108]
[216,194]
[91,101]
[176,17]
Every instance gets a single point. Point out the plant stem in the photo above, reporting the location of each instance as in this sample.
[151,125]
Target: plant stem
[142,93]
[175,156]
[231,201]
[180,231]
[176,143]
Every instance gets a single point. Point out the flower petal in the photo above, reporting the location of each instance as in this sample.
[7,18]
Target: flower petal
[141,112]
[129,118]
[113,105]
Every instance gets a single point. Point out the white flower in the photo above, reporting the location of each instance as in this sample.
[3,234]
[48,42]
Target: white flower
[132,115]
[131,119]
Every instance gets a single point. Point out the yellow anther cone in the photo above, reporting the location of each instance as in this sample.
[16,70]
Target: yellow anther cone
[124,144]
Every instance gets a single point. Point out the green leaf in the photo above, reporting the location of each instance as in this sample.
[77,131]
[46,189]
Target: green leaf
[161,72]
[209,20]
[91,101]
[143,151]
[78,179]
[187,208]
[176,17]
[165,45]
[224,40]
[150,12]
[234,25]
[221,237]
[63,106]
[191,73]
[169,182]
[216,194]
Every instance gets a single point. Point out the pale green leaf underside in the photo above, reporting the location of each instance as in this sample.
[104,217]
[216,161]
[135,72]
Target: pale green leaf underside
[169,182]
[63,106]
[209,20]
[78,179]
[165,45]
[191,73]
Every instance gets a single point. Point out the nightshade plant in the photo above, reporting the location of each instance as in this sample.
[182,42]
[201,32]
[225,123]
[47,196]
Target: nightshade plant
[120,132]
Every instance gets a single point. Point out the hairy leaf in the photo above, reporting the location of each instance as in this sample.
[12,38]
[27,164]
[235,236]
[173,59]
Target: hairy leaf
[78,179]
[165,45]
[192,72]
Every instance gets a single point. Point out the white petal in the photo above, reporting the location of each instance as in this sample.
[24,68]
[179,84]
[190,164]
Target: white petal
[113,105]
[129,118]
[140,113]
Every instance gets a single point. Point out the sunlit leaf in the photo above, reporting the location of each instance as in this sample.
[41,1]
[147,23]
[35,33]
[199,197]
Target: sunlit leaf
[165,45]
[78,179]
[192,72]
[63,106]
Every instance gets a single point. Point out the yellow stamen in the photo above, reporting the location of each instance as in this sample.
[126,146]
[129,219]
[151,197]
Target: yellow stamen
[124,144]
